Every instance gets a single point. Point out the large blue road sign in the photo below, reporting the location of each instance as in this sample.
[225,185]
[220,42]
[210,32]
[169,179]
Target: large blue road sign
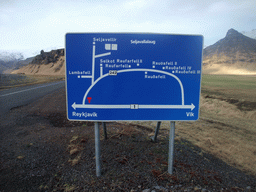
[133,76]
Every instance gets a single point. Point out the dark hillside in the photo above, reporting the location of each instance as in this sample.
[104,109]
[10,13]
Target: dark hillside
[233,43]
[48,57]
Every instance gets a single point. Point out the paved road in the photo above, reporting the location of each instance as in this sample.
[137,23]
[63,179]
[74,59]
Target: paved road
[19,96]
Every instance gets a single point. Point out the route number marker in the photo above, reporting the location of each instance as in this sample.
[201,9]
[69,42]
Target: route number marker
[112,72]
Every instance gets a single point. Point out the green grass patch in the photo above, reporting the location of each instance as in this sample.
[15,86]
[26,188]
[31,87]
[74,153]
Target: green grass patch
[229,81]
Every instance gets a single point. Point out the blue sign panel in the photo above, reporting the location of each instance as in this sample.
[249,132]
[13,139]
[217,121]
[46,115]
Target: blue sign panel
[133,76]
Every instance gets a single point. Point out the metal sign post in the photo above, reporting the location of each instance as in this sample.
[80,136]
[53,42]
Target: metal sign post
[97,148]
[154,138]
[171,147]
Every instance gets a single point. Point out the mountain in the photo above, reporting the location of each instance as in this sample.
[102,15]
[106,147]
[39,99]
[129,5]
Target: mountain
[12,60]
[234,54]
[46,63]
[251,34]
[10,56]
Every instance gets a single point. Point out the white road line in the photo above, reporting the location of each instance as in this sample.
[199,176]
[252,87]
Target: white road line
[84,76]
[133,106]
[131,70]
[93,62]
[166,106]
[102,55]
[29,89]
[103,106]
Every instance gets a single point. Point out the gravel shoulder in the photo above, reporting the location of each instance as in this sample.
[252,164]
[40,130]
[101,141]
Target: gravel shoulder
[42,151]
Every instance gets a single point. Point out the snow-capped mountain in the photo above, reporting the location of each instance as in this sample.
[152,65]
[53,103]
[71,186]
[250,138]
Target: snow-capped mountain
[10,56]
[11,60]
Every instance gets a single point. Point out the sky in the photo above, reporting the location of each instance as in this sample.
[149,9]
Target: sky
[29,26]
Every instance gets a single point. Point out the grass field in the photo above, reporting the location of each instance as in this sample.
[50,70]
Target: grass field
[15,80]
[227,124]
[229,81]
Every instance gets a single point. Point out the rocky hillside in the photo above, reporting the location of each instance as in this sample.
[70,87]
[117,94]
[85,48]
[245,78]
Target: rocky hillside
[48,57]
[234,54]
[46,63]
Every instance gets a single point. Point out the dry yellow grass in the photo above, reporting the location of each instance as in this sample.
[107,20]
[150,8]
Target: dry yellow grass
[73,151]
[19,80]
[69,188]
[222,130]
[73,139]
[75,161]
[53,69]
[239,64]
[229,69]
[75,148]
[20,157]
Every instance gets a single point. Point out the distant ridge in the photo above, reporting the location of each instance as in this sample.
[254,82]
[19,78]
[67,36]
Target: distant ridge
[46,63]
[10,61]
[236,52]
[233,42]
[48,57]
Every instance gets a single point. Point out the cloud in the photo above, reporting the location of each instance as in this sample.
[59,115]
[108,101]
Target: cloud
[40,24]
[135,4]
[220,6]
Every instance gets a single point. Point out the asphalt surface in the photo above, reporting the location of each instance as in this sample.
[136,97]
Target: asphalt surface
[19,96]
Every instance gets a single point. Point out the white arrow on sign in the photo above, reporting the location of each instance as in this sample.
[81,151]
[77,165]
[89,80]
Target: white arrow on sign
[88,106]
